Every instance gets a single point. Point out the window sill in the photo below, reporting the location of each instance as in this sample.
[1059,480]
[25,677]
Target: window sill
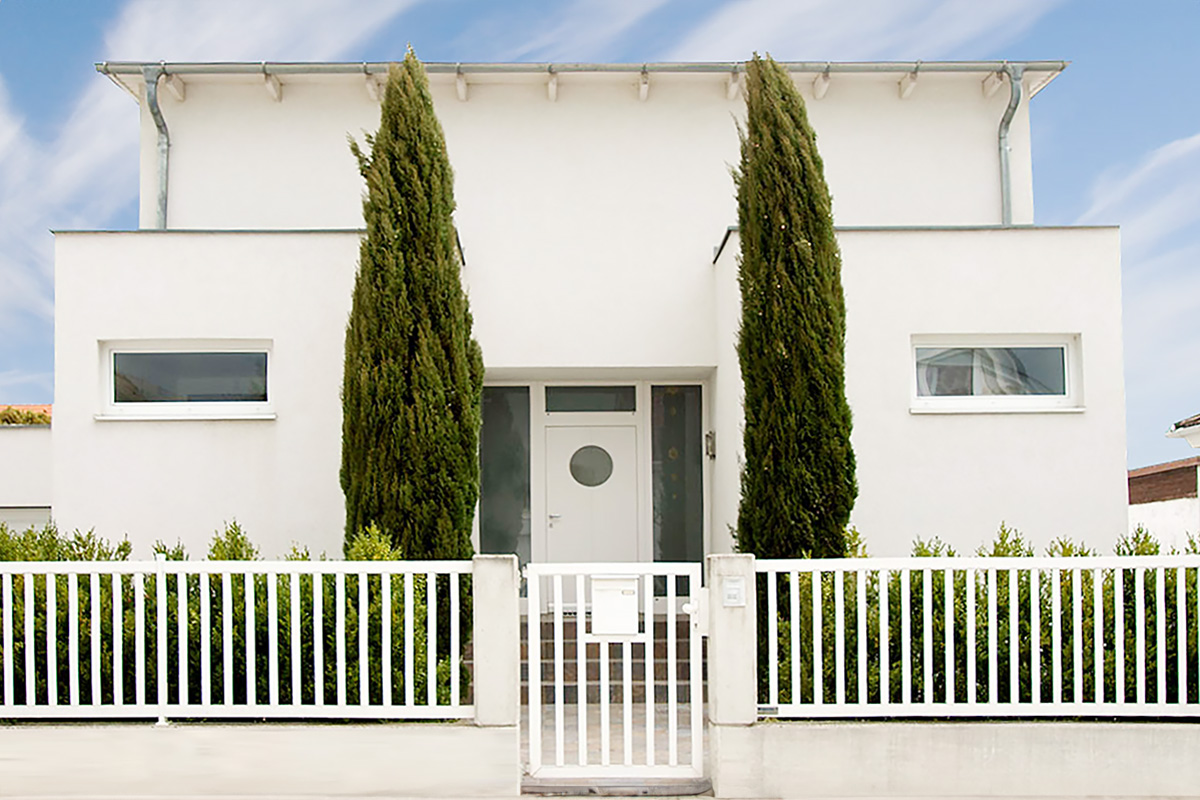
[205,417]
[996,410]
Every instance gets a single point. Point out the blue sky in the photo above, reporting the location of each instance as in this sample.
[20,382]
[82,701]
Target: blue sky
[1116,138]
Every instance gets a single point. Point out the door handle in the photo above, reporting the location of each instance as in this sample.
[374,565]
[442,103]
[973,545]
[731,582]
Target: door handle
[554,517]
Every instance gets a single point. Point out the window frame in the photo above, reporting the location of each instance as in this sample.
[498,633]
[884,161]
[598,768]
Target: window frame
[110,409]
[1070,401]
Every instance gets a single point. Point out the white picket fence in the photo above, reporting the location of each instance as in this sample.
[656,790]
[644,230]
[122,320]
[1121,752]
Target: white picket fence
[236,639]
[980,637]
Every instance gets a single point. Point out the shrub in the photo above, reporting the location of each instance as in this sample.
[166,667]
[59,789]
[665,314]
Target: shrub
[23,416]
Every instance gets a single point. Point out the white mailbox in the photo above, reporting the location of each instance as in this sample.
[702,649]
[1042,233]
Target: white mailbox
[615,605]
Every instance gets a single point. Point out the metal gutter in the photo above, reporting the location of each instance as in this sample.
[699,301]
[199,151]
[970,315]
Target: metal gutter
[116,68]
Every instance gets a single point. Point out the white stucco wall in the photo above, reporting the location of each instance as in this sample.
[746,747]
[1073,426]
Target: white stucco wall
[182,479]
[593,169]
[25,475]
[1171,521]
[958,475]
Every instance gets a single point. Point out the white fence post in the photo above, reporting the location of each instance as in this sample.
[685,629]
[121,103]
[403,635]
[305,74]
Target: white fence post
[496,633]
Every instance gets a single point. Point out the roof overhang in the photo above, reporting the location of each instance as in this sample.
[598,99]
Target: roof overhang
[1188,430]
[129,74]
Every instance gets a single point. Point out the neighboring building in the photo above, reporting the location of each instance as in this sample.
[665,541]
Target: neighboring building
[25,470]
[1163,500]
[198,360]
[1188,430]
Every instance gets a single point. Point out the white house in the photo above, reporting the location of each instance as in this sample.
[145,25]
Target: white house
[198,359]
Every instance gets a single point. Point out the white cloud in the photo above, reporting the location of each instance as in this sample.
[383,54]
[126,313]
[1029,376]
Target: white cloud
[581,30]
[88,171]
[857,30]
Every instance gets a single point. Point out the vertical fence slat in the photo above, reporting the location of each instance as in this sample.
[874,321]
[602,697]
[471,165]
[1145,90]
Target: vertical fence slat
[1076,578]
[1035,635]
[559,688]
[294,637]
[1098,635]
[648,658]
[339,616]
[993,627]
[73,637]
[1014,637]
[927,636]
[160,637]
[431,620]
[818,638]
[839,637]
[1181,636]
[364,627]
[627,700]
[139,638]
[410,669]
[52,640]
[272,622]
[1160,635]
[227,637]
[30,691]
[1139,626]
[6,597]
[581,667]
[206,582]
[605,709]
[318,609]
[181,635]
[455,648]
[695,689]
[794,643]
[972,645]
[1119,633]
[1056,669]
[251,636]
[860,601]
[673,673]
[533,661]
[772,641]
[948,647]
[385,640]
[885,635]
[906,641]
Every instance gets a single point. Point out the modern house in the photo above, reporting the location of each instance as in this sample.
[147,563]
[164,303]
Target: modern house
[199,358]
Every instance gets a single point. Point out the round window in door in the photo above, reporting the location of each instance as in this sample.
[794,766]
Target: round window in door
[591,465]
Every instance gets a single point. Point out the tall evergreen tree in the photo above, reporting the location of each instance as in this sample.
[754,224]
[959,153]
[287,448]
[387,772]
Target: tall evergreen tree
[413,373]
[798,483]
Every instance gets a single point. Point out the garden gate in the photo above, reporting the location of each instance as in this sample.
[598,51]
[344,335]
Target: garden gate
[614,668]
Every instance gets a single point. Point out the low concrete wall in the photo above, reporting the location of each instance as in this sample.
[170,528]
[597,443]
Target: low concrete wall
[381,760]
[945,759]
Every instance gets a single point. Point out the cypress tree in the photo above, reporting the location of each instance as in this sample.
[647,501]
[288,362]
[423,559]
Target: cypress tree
[413,373]
[798,482]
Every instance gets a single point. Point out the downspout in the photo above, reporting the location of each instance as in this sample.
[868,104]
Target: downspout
[152,75]
[1015,73]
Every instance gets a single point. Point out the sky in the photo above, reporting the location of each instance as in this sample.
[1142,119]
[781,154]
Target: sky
[1116,138]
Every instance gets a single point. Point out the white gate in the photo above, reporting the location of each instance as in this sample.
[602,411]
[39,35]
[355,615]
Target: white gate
[615,685]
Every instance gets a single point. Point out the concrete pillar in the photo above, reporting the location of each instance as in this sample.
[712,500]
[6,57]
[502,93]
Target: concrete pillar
[735,757]
[732,641]
[497,640]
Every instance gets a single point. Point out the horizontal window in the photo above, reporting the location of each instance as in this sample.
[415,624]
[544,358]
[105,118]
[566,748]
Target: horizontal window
[990,371]
[591,398]
[189,377]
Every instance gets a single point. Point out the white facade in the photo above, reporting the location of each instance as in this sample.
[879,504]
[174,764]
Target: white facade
[25,491]
[588,224]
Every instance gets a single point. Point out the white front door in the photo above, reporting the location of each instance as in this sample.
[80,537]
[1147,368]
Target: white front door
[591,493]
